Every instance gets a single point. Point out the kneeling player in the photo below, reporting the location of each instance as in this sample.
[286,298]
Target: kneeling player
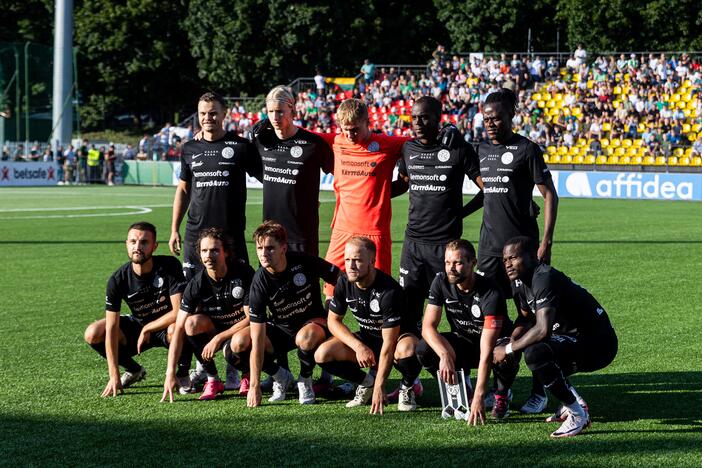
[477,315]
[377,303]
[214,313]
[562,330]
[287,284]
[151,287]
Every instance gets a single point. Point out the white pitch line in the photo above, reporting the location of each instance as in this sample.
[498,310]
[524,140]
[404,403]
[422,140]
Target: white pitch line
[140,210]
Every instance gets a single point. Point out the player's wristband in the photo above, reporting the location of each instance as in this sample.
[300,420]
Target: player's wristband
[508,348]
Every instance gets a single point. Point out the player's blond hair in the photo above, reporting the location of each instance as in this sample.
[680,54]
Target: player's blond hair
[281,94]
[352,111]
[364,242]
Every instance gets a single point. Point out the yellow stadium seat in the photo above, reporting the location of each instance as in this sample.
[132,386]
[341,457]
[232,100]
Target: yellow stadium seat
[675,97]
[638,160]
[536,96]
[601,159]
[692,136]
[681,105]
[641,128]
[696,161]
[541,104]
[615,143]
[672,161]
[582,142]
[590,159]
[590,84]
[632,151]
[621,151]
[567,159]
[625,160]
[660,161]
[678,152]
[579,159]
[555,159]
[685,161]
[546,159]
[617,90]
[626,142]
[686,128]
[638,142]
[613,159]
[649,160]
[609,151]
[696,127]
[604,142]
[551,149]
[574,150]
[551,103]
[562,150]
[606,127]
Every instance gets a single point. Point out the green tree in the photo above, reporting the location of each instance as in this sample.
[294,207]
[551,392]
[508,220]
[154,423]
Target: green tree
[499,25]
[27,20]
[134,57]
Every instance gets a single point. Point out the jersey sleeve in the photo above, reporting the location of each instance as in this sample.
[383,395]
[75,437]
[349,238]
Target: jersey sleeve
[545,290]
[113,298]
[494,308]
[327,137]
[392,304]
[537,167]
[191,296]
[325,155]
[401,165]
[519,299]
[254,165]
[257,299]
[186,173]
[247,278]
[471,166]
[436,292]
[338,303]
[176,279]
[393,145]
[328,272]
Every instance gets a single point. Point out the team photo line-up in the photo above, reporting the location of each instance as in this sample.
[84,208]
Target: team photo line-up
[215,300]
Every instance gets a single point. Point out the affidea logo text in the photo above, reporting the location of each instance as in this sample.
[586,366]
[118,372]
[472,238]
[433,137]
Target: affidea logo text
[628,185]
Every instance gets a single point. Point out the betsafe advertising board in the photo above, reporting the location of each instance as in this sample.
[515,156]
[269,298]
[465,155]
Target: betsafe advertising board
[27,173]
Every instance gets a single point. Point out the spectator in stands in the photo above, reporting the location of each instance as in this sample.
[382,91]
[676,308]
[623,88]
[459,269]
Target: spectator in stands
[69,165]
[144,147]
[110,160]
[368,71]
[320,83]
[129,152]
[580,55]
[697,147]
[5,153]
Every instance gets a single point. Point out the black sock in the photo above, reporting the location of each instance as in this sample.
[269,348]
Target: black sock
[345,369]
[410,368]
[238,360]
[283,360]
[198,343]
[270,367]
[307,362]
[427,357]
[505,373]
[186,358]
[537,388]
[555,382]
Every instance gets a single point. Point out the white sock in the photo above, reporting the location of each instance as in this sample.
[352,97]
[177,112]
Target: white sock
[576,409]
[368,381]
[211,377]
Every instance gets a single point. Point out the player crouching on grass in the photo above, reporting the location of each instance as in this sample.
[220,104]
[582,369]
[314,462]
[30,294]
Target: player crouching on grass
[377,302]
[562,329]
[151,286]
[214,314]
[477,314]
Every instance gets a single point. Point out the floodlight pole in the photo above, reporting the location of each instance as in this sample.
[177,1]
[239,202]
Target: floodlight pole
[62,113]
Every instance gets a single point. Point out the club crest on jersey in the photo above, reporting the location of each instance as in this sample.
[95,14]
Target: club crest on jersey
[442,177]
[373,146]
[443,155]
[227,153]
[238,292]
[158,282]
[295,172]
[296,151]
[475,310]
[162,299]
[507,157]
[299,279]
[225,173]
[375,305]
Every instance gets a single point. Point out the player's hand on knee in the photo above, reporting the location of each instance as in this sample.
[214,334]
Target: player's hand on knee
[365,357]
[210,349]
[253,399]
[498,354]
[174,243]
[379,401]
[477,412]
[168,386]
[144,338]
[113,388]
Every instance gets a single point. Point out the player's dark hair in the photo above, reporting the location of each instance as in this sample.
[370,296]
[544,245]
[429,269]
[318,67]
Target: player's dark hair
[220,235]
[506,98]
[526,245]
[364,242]
[464,246]
[143,226]
[212,97]
[271,229]
[432,105]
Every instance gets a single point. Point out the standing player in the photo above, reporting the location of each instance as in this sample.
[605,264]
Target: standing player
[292,158]
[213,313]
[562,330]
[212,188]
[377,303]
[363,167]
[477,314]
[151,287]
[510,166]
[286,312]
[434,175]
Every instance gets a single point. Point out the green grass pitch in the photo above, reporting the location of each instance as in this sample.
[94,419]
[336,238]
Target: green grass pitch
[58,246]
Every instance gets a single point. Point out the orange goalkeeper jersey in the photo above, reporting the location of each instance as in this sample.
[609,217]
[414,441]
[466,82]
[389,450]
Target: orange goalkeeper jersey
[362,182]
